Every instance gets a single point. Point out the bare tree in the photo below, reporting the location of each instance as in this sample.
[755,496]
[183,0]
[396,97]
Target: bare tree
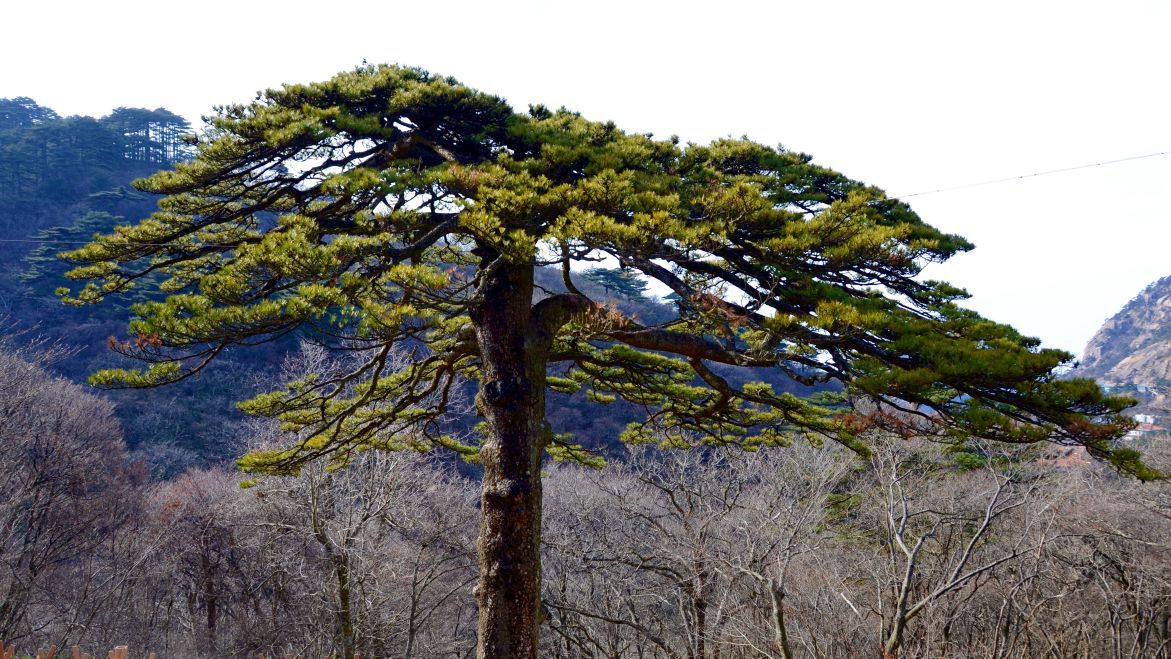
[797,552]
[64,485]
[936,531]
[374,559]
[681,554]
[782,528]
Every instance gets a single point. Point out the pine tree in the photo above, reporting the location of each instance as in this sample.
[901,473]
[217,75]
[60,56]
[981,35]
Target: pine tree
[22,112]
[389,209]
[621,281]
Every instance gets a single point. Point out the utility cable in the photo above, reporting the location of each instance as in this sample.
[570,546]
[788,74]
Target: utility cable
[1022,177]
[921,193]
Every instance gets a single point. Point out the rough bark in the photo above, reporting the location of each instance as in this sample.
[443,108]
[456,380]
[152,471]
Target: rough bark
[513,338]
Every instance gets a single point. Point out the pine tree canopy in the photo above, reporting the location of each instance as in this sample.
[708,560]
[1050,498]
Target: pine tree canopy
[372,211]
[620,281]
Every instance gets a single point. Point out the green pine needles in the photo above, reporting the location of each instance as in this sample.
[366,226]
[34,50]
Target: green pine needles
[368,211]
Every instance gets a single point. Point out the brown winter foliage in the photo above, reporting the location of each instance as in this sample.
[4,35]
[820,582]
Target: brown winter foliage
[798,552]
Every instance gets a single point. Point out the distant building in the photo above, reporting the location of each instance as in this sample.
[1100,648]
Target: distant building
[1144,428]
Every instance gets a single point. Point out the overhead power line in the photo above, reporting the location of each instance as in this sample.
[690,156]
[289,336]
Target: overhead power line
[921,193]
[1021,177]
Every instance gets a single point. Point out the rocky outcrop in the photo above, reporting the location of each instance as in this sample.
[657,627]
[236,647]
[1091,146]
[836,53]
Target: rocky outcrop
[1134,347]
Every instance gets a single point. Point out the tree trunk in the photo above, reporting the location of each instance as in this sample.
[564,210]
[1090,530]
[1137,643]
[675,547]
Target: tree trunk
[780,633]
[512,400]
[699,605]
[341,563]
[211,597]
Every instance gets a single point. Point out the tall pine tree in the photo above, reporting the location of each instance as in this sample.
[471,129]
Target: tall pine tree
[392,210]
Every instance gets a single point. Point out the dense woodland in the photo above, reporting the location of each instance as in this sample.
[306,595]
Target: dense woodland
[63,180]
[123,522]
[797,552]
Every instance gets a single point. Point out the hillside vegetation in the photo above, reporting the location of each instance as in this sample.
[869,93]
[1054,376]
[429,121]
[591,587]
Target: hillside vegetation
[663,554]
[124,525]
[63,180]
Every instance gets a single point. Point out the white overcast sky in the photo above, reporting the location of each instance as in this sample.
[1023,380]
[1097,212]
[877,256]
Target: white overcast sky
[908,96]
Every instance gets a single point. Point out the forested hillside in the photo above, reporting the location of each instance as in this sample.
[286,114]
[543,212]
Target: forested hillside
[63,180]
[124,523]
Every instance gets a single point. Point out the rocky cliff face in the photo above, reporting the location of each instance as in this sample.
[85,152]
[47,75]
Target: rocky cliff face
[1134,347]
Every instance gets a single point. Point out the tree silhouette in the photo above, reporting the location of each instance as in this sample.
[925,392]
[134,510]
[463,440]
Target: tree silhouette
[621,281]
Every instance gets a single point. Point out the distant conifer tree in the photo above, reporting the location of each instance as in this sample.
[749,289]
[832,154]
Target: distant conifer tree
[620,281]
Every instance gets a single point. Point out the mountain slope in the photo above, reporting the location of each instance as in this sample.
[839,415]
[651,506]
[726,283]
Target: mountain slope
[1134,346]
